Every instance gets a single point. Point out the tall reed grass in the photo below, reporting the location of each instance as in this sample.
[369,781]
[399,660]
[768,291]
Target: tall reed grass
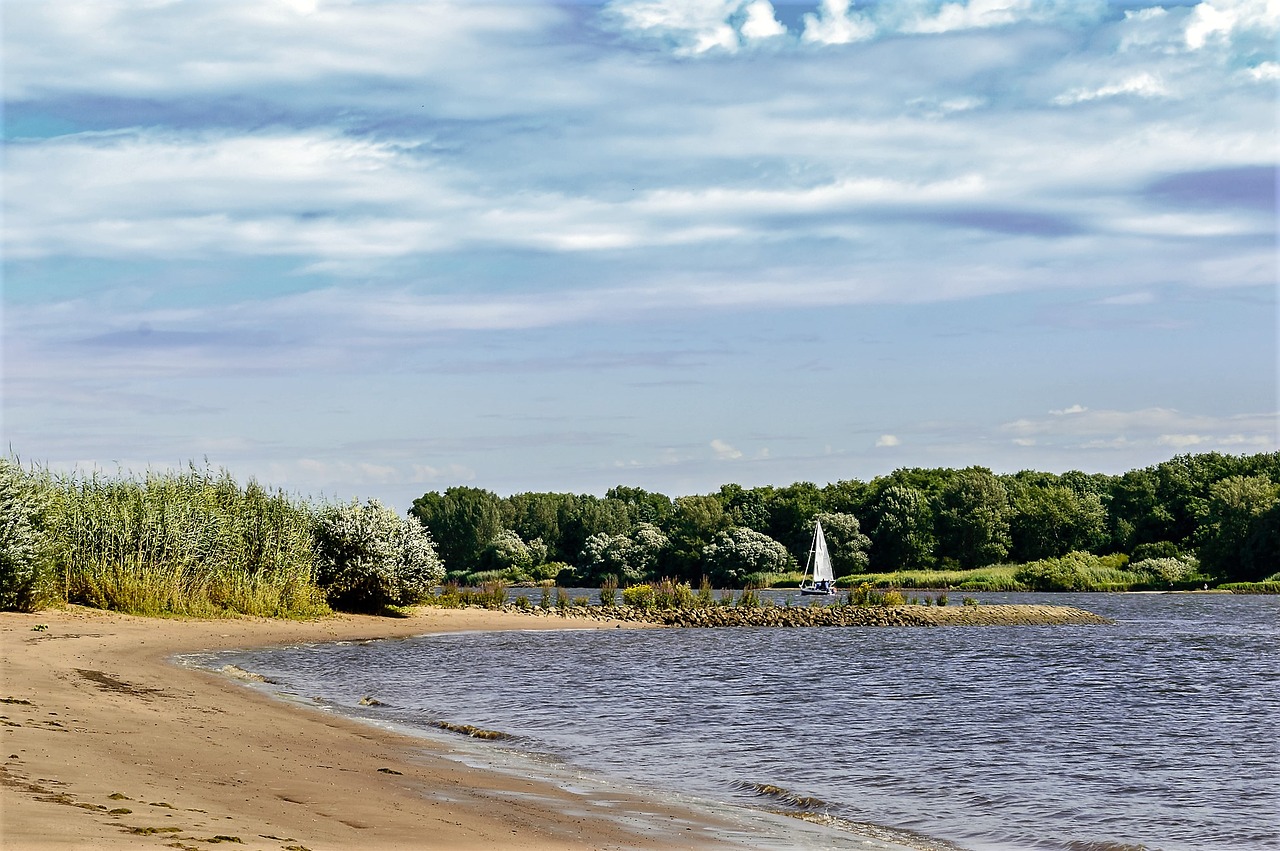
[183,543]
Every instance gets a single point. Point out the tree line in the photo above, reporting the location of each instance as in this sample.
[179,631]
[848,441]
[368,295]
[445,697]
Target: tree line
[1223,510]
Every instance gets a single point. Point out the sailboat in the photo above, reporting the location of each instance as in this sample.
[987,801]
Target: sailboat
[822,583]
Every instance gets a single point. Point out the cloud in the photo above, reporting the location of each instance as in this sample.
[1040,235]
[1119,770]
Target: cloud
[1083,428]
[724,451]
[696,27]
[1221,20]
[1141,85]
[885,440]
[834,23]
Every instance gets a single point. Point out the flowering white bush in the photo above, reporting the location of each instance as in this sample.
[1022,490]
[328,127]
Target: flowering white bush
[369,557]
[25,547]
[628,558]
[736,554]
[1169,569]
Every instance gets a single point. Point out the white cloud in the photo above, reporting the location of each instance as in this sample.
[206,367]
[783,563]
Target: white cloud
[887,440]
[724,451]
[835,24]
[1148,427]
[1264,72]
[148,49]
[974,14]
[1219,20]
[700,26]
[760,23]
[1140,85]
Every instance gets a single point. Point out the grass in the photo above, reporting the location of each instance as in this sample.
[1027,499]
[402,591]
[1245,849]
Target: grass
[190,543]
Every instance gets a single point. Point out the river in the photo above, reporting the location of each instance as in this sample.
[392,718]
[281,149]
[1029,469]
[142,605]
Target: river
[1159,731]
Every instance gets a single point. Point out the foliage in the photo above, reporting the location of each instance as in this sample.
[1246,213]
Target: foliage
[630,558]
[368,557]
[639,596]
[26,550]
[464,520]
[1053,520]
[183,543]
[1167,570]
[513,559]
[973,518]
[740,552]
[1238,510]
[1075,571]
[846,543]
[903,533]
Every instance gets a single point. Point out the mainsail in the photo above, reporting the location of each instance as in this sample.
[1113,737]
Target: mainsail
[821,558]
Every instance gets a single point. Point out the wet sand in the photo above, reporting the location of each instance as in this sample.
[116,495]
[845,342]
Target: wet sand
[108,744]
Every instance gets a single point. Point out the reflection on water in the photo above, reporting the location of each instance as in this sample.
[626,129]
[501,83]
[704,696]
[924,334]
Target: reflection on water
[1158,731]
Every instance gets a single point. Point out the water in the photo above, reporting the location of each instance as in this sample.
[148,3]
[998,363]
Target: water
[1159,731]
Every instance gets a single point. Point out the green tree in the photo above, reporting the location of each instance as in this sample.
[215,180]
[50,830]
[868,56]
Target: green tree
[846,543]
[696,520]
[973,519]
[1260,556]
[903,533]
[1053,520]
[748,507]
[509,553]
[462,521]
[739,553]
[791,516]
[1235,504]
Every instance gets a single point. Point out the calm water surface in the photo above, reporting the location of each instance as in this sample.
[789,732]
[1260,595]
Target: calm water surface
[1159,731]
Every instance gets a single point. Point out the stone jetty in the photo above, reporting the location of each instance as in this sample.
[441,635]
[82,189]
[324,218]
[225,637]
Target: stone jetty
[836,615]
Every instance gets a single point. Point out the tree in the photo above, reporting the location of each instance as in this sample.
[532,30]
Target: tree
[1235,504]
[629,558]
[509,553]
[973,520]
[646,507]
[697,519]
[1260,556]
[368,557]
[462,521]
[738,553]
[1054,520]
[903,533]
[791,515]
[846,543]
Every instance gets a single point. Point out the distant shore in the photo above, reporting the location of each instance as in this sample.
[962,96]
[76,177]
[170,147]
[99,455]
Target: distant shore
[107,744]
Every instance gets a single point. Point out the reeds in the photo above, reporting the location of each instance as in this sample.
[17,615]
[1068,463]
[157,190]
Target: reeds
[183,543]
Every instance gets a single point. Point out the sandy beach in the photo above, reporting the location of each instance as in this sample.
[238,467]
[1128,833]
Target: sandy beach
[109,744]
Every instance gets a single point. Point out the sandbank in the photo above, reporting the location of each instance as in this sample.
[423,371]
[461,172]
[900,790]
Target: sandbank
[108,744]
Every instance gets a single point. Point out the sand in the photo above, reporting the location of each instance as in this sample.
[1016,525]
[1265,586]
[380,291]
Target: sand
[108,744]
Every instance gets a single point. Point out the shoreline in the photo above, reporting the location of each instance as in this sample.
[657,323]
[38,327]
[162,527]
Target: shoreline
[109,743]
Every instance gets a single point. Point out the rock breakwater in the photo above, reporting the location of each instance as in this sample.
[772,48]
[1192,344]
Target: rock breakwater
[837,615]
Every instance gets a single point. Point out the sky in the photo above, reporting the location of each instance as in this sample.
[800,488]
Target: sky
[373,249]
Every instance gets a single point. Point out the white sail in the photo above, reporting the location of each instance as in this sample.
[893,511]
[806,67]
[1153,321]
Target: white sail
[821,558]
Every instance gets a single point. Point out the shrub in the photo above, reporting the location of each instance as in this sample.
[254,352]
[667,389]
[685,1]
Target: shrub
[26,565]
[608,590]
[639,596]
[1170,570]
[368,557]
[893,597]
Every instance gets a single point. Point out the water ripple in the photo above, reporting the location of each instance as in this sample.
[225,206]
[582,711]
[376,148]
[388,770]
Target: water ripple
[1158,732]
